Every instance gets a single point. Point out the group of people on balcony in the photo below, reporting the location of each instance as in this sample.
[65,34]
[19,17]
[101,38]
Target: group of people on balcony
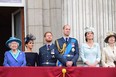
[64,52]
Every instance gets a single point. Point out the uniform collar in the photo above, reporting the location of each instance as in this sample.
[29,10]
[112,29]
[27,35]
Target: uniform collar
[49,44]
[65,38]
[15,55]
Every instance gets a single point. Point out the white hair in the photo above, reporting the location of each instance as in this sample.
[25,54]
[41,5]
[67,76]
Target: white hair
[11,42]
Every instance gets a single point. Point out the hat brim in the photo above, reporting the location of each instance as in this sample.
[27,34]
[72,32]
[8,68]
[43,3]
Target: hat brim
[16,40]
[106,39]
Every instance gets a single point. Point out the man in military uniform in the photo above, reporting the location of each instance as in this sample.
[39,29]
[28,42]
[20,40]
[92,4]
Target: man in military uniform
[68,47]
[48,54]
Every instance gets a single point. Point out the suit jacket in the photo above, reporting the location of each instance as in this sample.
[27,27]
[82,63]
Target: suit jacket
[108,56]
[49,55]
[9,60]
[74,51]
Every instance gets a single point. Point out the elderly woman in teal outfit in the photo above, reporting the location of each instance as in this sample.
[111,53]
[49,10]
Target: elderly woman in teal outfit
[90,51]
[14,57]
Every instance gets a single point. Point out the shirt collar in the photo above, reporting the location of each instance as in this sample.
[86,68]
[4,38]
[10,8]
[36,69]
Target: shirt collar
[49,44]
[65,38]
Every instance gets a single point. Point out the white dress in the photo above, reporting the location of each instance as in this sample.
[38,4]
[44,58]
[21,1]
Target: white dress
[90,54]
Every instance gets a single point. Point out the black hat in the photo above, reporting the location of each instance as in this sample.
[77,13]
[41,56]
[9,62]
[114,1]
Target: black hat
[29,37]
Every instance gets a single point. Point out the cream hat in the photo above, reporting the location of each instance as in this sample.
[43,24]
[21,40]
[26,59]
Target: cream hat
[108,35]
[89,29]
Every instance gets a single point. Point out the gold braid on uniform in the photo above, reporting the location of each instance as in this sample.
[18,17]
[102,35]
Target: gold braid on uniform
[63,47]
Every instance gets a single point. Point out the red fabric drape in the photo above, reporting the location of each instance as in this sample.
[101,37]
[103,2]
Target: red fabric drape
[57,72]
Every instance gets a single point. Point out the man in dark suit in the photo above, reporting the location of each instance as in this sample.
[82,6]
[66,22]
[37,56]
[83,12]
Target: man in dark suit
[68,47]
[48,54]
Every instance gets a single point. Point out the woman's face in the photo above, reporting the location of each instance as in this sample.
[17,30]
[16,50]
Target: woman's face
[111,40]
[30,44]
[13,45]
[89,35]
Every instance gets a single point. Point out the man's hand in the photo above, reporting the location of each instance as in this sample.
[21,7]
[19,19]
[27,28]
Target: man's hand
[69,63]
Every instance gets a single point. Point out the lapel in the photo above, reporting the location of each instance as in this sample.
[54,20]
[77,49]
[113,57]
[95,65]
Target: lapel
[69,41]
[110,51]
[63,40]
[44,48]
[52,46]
[16,59]
[115,50]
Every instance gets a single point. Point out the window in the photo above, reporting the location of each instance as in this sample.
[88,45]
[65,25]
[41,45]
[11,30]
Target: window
[15,3]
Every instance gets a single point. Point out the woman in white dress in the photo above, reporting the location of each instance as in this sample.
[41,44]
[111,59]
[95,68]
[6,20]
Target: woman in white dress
[109,52]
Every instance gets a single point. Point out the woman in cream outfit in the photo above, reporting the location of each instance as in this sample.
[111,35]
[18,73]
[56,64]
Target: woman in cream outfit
[109,52]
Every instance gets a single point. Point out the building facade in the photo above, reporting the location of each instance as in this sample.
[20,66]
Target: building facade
[21,17]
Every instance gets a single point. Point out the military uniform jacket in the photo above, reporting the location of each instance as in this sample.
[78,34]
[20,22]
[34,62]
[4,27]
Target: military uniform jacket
[74,52]
[49,57]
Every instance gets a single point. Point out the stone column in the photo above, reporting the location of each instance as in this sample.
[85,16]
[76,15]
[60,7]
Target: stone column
[35,21]
[42,16]
[52,17]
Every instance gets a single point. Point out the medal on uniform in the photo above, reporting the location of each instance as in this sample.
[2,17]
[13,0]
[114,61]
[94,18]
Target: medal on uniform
[47,63]
[52,51]
[48,49]
[73,45]
[68,55]
[73,49]
[53,56]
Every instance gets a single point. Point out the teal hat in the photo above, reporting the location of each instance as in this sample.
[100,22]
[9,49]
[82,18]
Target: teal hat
[11,39]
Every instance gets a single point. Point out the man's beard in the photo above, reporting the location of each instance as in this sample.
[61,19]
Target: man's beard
[48,41]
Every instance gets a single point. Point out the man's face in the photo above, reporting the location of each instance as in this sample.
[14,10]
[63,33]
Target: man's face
[66,30]
[48,37]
